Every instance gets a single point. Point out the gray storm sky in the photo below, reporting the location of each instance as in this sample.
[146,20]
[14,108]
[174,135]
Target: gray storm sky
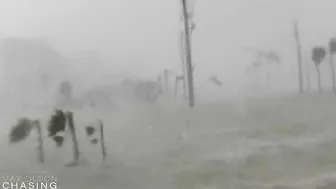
[143,35]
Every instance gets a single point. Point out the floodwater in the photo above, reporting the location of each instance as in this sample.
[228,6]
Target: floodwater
[274,143]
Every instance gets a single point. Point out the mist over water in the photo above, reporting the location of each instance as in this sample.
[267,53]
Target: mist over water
[250,128]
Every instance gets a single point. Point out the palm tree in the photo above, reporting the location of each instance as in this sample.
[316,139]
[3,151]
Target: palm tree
[265,58]
[318,54]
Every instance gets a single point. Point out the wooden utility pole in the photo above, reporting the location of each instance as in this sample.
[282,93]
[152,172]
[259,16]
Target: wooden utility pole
[332,50]
[190,78]
[299,58]
[184,75]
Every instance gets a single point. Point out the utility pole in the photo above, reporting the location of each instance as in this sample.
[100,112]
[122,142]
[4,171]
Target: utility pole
[189,66]
[299,58]
[332,50]
[183,64]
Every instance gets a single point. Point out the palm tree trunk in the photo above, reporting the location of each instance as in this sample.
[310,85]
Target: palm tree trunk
[166,80]
[307,75]
[268,77]
[40,141]
[332,69]
[319,79]
[299,59]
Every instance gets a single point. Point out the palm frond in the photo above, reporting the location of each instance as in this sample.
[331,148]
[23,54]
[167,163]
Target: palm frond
[59,140]
[21,130]
[215,81]
[90,130]
[57,123]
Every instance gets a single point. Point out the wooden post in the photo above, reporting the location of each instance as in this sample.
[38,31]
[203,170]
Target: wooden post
[319,79]
[73,135]
[102,140]
[40,141]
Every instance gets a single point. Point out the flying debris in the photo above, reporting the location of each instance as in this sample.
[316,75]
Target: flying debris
[215,81]
[21,130]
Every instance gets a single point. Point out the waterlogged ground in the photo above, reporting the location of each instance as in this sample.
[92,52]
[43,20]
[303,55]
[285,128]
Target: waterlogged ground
[279,143]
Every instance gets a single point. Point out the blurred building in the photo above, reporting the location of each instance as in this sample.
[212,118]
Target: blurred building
[30,66]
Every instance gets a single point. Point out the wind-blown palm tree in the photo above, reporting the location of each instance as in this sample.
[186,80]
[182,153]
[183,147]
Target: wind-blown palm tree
[214,79]
[318,55]
[265,58]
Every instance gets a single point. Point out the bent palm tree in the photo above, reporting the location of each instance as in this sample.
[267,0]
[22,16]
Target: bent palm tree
[265,58]
[318,54]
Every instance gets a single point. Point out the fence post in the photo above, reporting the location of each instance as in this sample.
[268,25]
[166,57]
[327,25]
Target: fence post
[40,141]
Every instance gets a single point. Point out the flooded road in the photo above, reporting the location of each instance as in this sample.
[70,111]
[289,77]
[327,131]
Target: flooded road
[279,143]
